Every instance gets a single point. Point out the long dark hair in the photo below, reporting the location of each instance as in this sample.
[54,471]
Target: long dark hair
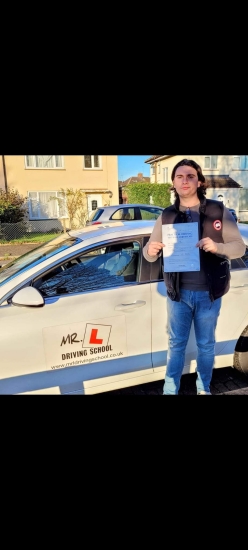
[201,191]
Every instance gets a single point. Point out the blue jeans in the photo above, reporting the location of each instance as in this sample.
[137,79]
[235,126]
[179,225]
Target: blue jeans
[195,306]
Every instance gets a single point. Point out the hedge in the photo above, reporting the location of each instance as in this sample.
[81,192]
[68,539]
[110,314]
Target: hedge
[142,193]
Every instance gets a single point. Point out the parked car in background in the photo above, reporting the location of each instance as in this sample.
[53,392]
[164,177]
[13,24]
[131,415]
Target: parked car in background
[125,212]
[86,313]
[233,212]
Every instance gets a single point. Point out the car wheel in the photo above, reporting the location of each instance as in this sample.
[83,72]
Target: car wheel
[241,353]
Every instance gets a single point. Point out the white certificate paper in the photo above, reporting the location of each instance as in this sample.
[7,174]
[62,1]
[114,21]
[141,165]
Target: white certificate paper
[180,252]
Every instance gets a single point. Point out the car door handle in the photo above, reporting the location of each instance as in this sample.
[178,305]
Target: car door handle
[132,305]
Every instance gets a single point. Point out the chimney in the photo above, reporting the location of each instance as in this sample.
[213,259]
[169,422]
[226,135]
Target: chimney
[140,175]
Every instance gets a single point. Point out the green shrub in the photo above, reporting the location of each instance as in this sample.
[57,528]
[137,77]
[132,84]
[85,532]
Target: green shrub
[142,193]
[11,206]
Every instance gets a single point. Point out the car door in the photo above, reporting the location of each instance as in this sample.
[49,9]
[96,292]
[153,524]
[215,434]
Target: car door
[233,317]
[94,325]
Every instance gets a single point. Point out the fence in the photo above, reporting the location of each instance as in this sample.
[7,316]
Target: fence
[29,229]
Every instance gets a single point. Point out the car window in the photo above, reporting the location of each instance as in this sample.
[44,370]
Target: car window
[36,257]
[97,269]
[95,215]
[150,213]
[123,214]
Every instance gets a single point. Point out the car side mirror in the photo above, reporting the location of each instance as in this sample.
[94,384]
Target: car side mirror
[28,297]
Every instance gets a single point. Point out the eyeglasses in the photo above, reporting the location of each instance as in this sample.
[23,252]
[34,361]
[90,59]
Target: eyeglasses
[188,215]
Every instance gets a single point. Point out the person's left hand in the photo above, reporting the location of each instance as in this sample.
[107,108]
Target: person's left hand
[207,245]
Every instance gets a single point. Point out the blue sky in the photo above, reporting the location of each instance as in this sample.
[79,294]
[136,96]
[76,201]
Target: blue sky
[131,165]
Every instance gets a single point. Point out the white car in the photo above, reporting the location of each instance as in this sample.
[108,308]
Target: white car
[86,313]
[125,212]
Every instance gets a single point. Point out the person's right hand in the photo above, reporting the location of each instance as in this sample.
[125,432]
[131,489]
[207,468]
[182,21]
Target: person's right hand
[154,248]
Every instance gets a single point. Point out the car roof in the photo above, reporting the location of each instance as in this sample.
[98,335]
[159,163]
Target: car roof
[129,205]
[136,227]
[131,227]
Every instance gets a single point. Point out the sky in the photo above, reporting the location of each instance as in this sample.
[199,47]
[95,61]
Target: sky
[132,165]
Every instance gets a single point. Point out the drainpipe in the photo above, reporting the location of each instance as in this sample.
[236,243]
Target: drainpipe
[5,174]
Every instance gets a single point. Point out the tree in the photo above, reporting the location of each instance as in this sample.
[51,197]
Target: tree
[145,193]
[11,206]
[74,203]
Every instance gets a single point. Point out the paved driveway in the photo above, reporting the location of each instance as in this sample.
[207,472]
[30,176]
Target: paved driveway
[225,381]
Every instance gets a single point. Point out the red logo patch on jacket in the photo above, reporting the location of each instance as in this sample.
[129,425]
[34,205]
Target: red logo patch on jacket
[217,225]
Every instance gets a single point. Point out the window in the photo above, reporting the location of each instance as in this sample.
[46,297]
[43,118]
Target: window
[44,161]
[150,213]
[93,205]
[92,162]
[158,168]
[240,162]
[95,214]
[210,163]
[45,205]
[244,162]
[97,269]
[243,199]
[236,163]
[165,175]
[153,170]
[123,214]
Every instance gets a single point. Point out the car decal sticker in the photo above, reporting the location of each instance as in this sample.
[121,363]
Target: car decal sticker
[83,343]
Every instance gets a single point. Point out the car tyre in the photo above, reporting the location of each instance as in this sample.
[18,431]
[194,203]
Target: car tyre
[241,353]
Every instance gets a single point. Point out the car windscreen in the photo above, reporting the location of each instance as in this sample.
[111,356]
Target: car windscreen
[36,256]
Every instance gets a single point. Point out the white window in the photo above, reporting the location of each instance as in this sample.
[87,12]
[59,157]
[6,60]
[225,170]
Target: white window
[165,175]
[153,170]
[44,161]
[92,162]
[236,163]
[45,205]
[240,162]
[210,163]
[244,162]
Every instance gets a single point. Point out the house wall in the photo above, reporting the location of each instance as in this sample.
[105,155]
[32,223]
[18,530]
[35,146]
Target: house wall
[224,164]
[72,175]
[99,184]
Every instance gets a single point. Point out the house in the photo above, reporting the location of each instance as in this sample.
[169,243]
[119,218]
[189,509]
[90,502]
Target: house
[226,177]
[123,199]
[39,178]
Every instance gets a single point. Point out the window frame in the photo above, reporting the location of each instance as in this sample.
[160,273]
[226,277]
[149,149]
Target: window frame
[92,167]
[31,217]
[149,210]
[165,174]
[125,211]
[87,251]
[45,167]
[211,162]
